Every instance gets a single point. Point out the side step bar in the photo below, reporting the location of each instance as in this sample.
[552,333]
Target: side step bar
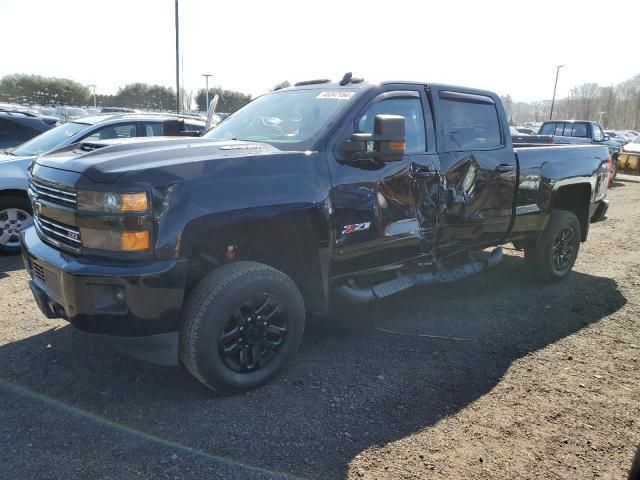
[367,295]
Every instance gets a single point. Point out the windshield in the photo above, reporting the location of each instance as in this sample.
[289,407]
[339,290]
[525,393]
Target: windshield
[49,139]
[288,120]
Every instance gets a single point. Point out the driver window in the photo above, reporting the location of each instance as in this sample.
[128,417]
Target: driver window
[410,109]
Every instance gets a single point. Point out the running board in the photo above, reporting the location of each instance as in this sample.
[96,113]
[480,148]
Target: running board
[409,280]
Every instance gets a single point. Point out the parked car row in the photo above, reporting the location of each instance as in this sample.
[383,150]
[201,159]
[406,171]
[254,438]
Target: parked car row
[18,126]
[15,208]
[622,138]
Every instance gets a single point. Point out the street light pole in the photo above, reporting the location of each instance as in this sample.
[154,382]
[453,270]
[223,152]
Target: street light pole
[95,104]
[600,118]
[553,100]
[177,61]
[206,88]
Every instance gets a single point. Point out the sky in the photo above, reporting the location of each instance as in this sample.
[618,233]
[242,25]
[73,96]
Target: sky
[507,47]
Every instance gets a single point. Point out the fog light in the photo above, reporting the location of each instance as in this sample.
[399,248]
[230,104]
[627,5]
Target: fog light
[107,298]
[135,241]
[127,241]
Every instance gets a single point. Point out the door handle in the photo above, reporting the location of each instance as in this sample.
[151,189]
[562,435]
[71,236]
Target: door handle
[423,172]
[503,167]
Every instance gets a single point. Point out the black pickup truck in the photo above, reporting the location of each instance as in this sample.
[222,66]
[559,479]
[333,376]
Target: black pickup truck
[581,132]
[308,193]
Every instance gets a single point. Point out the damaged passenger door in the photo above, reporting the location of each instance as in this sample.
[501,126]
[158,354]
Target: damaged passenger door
[479,170]
[385,213]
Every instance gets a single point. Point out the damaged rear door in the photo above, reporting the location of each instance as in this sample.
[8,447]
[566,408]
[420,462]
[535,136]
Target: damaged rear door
[479,170]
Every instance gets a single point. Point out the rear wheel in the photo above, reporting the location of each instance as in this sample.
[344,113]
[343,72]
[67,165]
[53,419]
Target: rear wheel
[553,255]
[241,324]
[15,214]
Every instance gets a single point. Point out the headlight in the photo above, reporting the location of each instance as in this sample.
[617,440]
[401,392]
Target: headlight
[113,202]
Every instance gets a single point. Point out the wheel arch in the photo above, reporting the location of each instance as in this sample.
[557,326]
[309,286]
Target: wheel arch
[14,192]
[575,198]
[294,242]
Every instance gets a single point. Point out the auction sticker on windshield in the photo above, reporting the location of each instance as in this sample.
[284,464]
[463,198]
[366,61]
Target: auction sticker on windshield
[336,95]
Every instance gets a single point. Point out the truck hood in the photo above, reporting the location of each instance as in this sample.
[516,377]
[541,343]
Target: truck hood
[105,161]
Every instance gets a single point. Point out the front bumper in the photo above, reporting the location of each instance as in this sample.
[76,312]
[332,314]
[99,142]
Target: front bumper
[125,300]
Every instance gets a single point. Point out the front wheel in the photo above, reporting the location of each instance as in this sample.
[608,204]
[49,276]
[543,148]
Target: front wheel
[553,255]
[15,214]
[241,324]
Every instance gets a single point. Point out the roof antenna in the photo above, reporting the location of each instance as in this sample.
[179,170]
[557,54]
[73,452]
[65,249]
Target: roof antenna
[346,79]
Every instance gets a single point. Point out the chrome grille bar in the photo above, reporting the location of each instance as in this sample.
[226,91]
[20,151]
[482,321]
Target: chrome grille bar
[47,191]
[58,234]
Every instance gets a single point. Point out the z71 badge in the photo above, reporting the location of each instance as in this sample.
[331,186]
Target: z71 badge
[356,227]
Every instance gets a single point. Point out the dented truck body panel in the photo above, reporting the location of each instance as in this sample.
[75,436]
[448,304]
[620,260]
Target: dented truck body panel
[322,221]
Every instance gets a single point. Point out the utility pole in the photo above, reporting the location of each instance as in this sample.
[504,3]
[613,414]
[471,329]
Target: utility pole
[177,61]
[206,88]
[553,100]
[600,118]
[95,104]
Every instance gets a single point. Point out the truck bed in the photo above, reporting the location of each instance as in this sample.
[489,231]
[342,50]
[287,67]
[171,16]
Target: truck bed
[546,168]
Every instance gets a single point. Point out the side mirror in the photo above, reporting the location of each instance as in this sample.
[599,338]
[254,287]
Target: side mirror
[606,138]
[386,143]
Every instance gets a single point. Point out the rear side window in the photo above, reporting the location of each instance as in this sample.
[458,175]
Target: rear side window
[580,130]
[469,125]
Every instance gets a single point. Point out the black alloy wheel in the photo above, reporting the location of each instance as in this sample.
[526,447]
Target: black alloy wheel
[254,334]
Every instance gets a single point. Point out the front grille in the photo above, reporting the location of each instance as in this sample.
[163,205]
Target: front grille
[38,271]
[60,234]
[53,193]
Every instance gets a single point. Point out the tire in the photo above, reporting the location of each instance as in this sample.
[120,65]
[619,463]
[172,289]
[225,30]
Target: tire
[15,214]
[227,301]
[553,255]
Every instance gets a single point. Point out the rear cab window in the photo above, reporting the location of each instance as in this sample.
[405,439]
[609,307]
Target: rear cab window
[469,122]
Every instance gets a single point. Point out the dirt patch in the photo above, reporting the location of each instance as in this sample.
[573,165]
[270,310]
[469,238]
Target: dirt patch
[533,381]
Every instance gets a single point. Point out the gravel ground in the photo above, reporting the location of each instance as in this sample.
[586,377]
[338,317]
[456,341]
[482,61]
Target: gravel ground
[530,381]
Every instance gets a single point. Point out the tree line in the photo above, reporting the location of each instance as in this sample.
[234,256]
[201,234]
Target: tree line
[38,90]
[35,89]
[616,106]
